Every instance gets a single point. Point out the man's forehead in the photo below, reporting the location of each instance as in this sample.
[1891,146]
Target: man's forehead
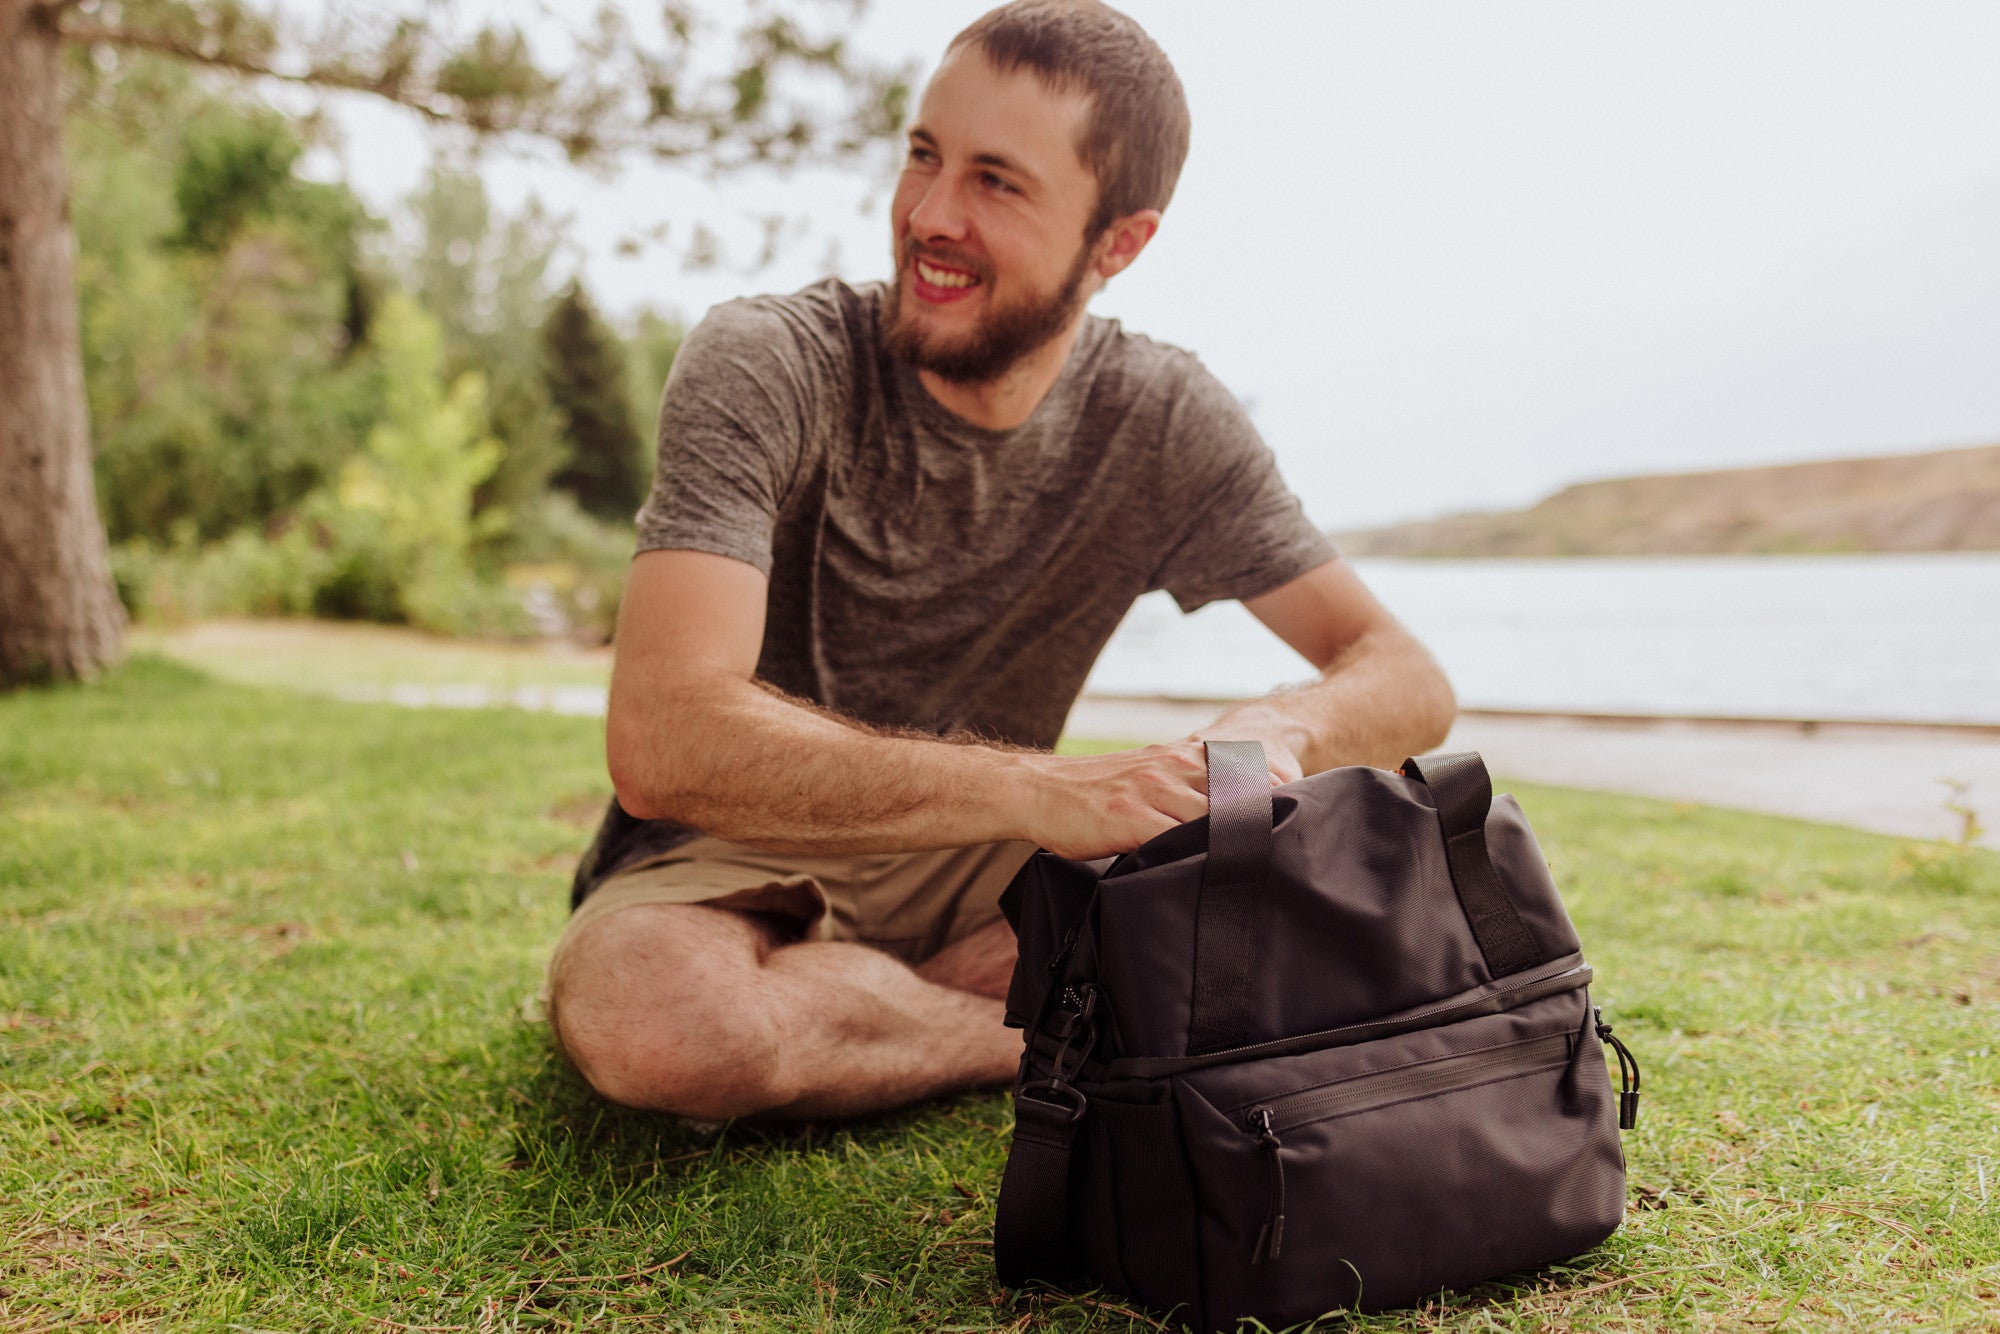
[1012,117]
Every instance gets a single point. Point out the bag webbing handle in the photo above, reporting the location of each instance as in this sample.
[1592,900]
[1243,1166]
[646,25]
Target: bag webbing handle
[1239,855]
[1463,794]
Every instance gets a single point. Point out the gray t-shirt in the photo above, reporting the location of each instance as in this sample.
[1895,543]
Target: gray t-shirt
[931,573]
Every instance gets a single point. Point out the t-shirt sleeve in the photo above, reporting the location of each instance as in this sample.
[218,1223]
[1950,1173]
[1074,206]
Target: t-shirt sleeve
[733,425]
[1242,532]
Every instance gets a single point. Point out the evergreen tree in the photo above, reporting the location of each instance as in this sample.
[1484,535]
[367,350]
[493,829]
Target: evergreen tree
[585,366]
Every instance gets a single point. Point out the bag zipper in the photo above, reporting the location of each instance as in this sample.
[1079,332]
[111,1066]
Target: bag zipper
[1271,1237]
[1628,1073]
[1510,994]
[1360,1093]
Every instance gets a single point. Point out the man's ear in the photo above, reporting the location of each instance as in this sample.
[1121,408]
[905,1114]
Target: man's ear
[1124,239]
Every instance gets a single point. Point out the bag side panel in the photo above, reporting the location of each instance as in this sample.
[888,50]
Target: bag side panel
[1145,1245]
[1044,903]
[1517,858]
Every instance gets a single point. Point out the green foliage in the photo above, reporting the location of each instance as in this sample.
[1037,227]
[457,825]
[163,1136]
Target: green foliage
[244,574]
[402,515]
[269,1058]
[218,303]
[485,277]
[393,540]
[652,343]
[234,164]
[585,368]
[571,564]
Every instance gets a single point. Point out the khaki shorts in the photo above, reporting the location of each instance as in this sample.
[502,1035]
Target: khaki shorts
[908,904]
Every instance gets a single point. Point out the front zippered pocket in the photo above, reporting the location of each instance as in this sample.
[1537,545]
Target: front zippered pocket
[1361,1093]
[1268,1118]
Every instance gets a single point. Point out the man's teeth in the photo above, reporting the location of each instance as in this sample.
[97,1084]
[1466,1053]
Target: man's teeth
[943,277]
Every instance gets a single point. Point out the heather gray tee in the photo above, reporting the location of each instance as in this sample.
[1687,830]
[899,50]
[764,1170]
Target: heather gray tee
[935,574]
[930,573]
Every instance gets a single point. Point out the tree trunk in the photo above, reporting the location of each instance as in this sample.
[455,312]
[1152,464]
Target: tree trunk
[59,615]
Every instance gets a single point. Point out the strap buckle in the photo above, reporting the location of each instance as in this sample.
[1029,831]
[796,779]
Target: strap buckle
[1064,1098]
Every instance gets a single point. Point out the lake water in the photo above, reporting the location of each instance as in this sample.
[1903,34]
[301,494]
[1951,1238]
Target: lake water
[1911,638]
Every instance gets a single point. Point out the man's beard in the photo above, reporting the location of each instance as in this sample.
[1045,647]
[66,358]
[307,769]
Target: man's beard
[1007,334]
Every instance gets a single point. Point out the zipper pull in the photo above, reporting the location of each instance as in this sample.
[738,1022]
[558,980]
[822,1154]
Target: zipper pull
[1271,1237]
[1628,1074]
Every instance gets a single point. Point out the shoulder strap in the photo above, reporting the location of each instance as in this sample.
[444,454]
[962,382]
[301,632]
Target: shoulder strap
[1239,855]
[1463,794]
[1031,1220]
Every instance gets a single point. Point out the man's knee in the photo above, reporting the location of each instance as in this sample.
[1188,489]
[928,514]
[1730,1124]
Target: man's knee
[661,1008]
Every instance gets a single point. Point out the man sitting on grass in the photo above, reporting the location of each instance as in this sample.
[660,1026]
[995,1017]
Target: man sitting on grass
[891,528]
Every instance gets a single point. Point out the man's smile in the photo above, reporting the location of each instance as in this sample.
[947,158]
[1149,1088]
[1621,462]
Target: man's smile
[938,283]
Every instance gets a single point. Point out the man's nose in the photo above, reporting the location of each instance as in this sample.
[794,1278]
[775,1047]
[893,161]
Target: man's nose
[938,215]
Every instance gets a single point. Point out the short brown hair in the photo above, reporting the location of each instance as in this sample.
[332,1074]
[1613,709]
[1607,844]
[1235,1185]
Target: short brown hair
[1136,135]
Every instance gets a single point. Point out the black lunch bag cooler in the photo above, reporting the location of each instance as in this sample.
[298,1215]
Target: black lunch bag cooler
[1329,1047]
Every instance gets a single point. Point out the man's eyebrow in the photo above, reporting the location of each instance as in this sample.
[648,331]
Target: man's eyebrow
[1006,163]
[920,135]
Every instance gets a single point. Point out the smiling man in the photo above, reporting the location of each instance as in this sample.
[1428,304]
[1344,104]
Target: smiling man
[891,529]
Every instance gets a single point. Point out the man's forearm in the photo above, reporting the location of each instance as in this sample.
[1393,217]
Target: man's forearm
[1381,701]
[742,762]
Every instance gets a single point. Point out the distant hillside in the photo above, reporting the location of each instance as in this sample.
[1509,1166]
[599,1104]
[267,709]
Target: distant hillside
[1948,501]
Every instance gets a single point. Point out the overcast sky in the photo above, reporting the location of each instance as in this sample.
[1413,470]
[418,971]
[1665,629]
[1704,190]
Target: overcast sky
[1457,255]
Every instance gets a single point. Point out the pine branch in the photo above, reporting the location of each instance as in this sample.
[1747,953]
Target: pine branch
[616,98]
[333,77]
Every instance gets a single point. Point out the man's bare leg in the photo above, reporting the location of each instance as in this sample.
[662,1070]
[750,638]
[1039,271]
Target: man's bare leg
[698,1010]
[982,963]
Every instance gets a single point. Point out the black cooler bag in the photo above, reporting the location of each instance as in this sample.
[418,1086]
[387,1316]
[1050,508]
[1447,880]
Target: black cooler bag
[1329,1047]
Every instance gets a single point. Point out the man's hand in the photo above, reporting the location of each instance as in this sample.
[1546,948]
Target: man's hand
[1283,738]
[1085,806]
[1379,696]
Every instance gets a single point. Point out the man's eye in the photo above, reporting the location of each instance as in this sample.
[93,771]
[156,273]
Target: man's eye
[923,155]
[998,184]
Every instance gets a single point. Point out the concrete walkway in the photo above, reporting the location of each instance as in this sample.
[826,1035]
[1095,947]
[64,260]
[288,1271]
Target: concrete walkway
[1890,779]
[1885,778]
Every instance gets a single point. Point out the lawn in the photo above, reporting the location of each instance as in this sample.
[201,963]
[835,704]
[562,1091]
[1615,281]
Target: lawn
[270,1059]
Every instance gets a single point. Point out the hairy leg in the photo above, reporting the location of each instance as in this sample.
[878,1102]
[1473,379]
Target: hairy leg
[982,963]
[698,1010]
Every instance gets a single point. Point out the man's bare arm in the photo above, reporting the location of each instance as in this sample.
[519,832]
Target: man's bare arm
[693,737]
[1380,696]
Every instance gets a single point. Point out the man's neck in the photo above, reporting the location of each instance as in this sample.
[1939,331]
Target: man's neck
[1010,398]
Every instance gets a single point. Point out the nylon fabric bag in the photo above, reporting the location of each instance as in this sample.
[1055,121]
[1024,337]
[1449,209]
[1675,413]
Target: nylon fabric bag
[1329,1047]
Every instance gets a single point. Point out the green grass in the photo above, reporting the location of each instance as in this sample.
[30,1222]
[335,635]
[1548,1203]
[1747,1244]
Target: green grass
[269,1060]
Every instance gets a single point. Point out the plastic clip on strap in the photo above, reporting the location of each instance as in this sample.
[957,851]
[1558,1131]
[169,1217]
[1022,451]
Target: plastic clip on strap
[1463,795]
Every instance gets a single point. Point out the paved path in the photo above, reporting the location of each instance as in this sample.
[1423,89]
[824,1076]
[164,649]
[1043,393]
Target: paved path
[1881,778]
[1888,779]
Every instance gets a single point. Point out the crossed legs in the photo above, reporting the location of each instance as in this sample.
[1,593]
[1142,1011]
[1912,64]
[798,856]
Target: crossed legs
[702,1011]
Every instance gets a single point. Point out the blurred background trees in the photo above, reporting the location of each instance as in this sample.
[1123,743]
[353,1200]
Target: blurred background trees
[291,406]
[302,409]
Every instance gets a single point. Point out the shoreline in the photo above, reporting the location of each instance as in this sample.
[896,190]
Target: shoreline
[1723,722]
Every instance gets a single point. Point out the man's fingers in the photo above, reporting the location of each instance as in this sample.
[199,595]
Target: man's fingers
[1164,823]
